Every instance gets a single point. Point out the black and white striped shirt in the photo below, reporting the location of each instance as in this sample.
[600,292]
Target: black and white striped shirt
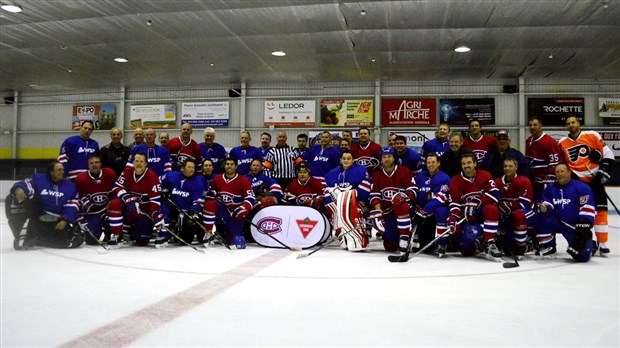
[279,162]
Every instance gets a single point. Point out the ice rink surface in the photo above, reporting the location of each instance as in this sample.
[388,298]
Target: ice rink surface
[145,297]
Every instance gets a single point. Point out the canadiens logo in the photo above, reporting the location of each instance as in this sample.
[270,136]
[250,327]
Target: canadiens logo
[306,226]
[389,192]
[270,225]
[578,151]
[99,198]
[367,161]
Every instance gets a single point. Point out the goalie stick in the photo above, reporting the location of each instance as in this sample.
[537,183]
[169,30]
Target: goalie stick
[333,239]
[214,235]
[172,233]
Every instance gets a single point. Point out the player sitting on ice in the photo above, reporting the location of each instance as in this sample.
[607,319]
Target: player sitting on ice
[93,188]
[516,208]
[431,188]
[47,203]
[391,190]
[305,190]
[184,200]
[346,198]
[137,207]
[474,196]
[568,208]
[230,199]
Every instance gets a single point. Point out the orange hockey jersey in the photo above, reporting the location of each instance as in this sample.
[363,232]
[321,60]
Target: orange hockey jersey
[575,153]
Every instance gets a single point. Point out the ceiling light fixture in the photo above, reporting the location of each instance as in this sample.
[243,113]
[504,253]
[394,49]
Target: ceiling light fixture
[462,49]
[373,60]
[149,22]
[363,13]
[278,53]
[11,8]
[550,55]
[211,64]
[121,60]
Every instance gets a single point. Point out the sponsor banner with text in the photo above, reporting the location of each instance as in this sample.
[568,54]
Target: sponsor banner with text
[290,113]
[458,112]
[554,111]
[153,116]
[347,113]
[205,114]
[103,116]
[409,112]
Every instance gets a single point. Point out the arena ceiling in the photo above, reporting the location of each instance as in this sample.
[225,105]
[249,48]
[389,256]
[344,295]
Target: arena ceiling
[71,44]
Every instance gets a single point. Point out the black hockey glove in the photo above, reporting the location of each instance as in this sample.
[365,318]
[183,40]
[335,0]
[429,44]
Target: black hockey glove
[583,233]
[602,176]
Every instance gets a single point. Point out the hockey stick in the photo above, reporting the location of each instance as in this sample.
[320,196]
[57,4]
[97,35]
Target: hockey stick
[259,229]
[405,257]
[402,258]
[511,264]
[172,233]
[333,239]
[214,235]
[84,228]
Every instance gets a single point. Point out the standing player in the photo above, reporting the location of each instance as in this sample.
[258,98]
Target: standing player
[478,143]
[390,191]
[244,154]
[93,188]
[76,149]
[451,159]
[265,144]
[432,195]
[183,148]
[322,157]
[439,144]
[367,152]
[137,191]
[474,196]
[543,154]
[230,199]
[212,150]
[590,160]
[157,157]
[567,208]
[406,156]
[51,208]
[516,208]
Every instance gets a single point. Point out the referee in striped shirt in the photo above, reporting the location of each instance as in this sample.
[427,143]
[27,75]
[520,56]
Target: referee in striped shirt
[280,161]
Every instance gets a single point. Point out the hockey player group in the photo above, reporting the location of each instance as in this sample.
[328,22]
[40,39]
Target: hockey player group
[469,195]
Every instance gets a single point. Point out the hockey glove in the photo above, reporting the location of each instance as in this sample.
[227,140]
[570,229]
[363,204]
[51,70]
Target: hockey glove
[583,233]
[549,179]
[505,209]
[399,198]
[158,220]
[267,201]
[453,226]
[86,203]
[602,176]
[240,212]
[211,194]
[130,201]
[419,211]
[471,208]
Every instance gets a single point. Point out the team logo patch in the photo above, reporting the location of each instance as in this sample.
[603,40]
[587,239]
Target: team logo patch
[270,225]
[584,199]
[306,226]
[99,198]
[577,151]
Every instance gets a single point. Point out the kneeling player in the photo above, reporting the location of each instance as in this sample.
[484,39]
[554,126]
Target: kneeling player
[390,193]
[185,201]
[93,189]
[230,199]
[137,205]
[516,208]
[47,203]
[567,208]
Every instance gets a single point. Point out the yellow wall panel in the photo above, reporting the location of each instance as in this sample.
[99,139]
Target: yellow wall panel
[38,153]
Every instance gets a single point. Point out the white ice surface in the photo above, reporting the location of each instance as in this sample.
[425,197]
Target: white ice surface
[52,297]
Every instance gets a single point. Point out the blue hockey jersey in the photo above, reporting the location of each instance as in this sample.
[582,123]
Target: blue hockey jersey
[187,193]
[157,157]
[53,199]
[322,160]
[74,154]
[570,203]
[431,191]
[244,157]
[356,177]
[216,153]
[263,183]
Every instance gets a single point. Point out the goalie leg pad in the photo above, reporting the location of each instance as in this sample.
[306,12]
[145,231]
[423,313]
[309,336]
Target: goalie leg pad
[348,218]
